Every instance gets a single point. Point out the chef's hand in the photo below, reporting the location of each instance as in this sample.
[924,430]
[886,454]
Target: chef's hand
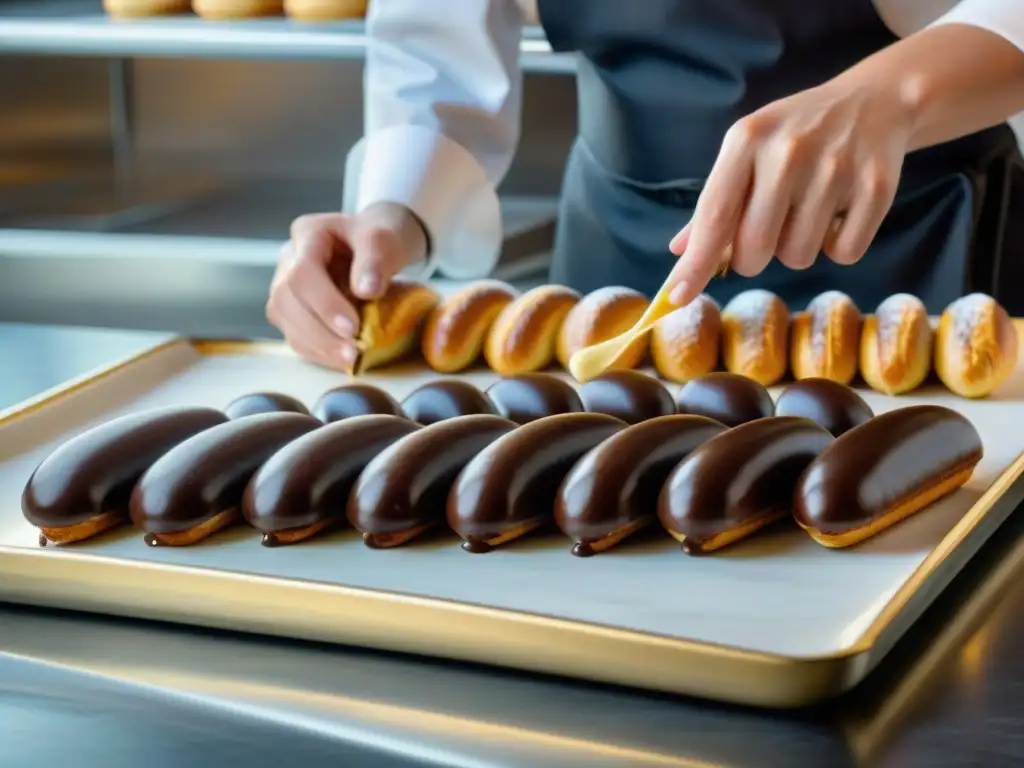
[813,172]
[329,257]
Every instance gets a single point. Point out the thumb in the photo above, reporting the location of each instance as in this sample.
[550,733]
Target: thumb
[378,254]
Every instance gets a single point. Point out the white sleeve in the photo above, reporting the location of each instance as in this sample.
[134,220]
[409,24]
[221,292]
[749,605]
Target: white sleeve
[442,94]
[1001,17]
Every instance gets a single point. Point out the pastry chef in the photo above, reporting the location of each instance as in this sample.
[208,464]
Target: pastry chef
[861,145]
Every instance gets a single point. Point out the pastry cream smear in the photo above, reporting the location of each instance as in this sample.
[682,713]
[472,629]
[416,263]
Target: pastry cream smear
[594,360]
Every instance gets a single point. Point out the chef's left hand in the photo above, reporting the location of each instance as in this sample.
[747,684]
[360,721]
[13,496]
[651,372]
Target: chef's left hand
[813,172]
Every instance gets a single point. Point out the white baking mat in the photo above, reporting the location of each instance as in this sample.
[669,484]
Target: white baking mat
[778,592]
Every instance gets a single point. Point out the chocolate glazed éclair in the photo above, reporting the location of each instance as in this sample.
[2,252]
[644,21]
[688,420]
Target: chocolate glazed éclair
[832,405]
[884,471]
[726,397]
[263,402]
[445,399]
[303,489]
[527,397]
[83,487]
[196,488]
[402,492]
[738,482]
[356,399]
[509,488]
[612,492]
[628,395]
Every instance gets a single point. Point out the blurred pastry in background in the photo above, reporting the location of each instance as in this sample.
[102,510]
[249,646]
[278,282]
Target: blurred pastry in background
[225,10]
[325,10]
[136,9]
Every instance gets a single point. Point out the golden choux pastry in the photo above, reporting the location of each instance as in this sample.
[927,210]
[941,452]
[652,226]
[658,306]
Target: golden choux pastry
[391,326]
[755,336]
[523,337]
[976,346]
[825,339]
[456,328]
[685,343]
[896,345]
[224,10]
[325,10]
[135,9]
[601,315]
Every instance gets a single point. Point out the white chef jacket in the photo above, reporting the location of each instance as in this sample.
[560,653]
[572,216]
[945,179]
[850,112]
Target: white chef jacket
[443,94]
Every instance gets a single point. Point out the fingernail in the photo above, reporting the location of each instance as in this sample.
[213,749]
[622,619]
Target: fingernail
[369,285]
[344,325]
[678,294]
[347,354]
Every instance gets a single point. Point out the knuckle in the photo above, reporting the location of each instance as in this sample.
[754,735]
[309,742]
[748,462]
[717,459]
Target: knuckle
[303,224]
[832,167]
[789,150]
[749,130]
[876,180]
[756,240]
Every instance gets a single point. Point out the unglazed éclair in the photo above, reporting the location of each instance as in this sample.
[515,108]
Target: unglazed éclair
[456,328]
[685,344]
[527,397]
[896,345]
[509,488]
[884,471]
[523,337]
[445,399]
[738,482]
[129,9]
[303,488]
[403,491]
[832,405]
[631,396]
[325,10]
[612,491]
[825,339]
[83,487]
[391,326]
[726,397]
[263,402]
[599,316]
[755,336]
[976,346]
[195,489]
[355,399]
[226,10]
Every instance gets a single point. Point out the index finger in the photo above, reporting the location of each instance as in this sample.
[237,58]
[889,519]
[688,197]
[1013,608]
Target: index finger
[710,233]
[310,279]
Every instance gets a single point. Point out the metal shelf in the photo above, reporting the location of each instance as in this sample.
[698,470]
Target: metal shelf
[80,28]
[197,218]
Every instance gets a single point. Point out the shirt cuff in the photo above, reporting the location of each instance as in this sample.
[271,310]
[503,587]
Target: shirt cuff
[442,184]
[1002,17]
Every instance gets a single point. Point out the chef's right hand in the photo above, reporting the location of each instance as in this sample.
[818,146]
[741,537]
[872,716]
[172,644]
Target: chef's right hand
[330,257]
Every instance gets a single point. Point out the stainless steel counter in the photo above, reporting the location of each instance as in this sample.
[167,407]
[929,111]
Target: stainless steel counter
[91,691]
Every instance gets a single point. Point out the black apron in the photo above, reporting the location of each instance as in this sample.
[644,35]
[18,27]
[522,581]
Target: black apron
[660,82]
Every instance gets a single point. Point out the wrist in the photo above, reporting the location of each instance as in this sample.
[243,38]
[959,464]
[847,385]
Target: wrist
[407,225]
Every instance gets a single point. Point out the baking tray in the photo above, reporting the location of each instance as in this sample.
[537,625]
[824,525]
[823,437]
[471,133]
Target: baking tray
[777,620]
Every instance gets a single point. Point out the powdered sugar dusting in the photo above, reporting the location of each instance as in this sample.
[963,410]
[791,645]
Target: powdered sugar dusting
[608,294]
[890,314]
[750,309]
[684,323]
[966,312]
[820,309]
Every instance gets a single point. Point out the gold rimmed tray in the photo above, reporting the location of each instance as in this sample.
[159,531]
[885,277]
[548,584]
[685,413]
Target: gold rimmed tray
[775,621]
